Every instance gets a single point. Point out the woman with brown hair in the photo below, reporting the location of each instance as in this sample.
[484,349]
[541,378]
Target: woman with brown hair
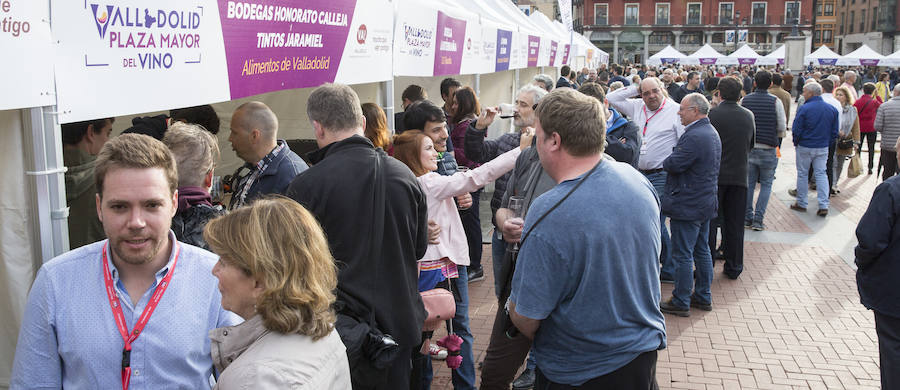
[376,126]
[439,264]
[275,270]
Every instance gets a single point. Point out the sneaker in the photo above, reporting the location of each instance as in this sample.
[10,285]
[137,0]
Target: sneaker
[792,192]
[796,206]
[476,275]
[748,224]
[702,306]
[758,226]
[822,212]
[671,308]
[437,353]
[525,381]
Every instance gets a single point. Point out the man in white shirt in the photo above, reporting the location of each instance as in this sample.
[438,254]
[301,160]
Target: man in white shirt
[828,86]
[657,116]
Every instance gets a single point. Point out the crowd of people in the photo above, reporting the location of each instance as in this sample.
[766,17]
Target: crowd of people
[331,270]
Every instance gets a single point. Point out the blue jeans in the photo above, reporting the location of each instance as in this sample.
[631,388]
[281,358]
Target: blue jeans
[658,180]
[464,376]
[690,247]
[763,163]
[498,250]
[817,157]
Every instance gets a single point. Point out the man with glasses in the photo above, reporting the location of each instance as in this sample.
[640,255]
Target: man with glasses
[657,117]
[690,200]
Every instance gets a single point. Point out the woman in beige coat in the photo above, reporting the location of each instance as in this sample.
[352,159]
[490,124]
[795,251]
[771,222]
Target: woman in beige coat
[275,271]
[849,130]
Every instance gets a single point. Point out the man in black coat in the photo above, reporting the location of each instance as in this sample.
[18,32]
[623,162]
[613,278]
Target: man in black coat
[736,130]
[563,77]
[375,217]
[878,262]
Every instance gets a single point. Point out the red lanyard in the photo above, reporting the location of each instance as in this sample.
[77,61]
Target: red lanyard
[116,307]
[646,122]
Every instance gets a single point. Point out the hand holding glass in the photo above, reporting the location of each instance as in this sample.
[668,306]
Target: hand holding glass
[517,215]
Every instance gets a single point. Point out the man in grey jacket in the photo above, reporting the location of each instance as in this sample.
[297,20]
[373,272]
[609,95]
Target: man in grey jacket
[887,122]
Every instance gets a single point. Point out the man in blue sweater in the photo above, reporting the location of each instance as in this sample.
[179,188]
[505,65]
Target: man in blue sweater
[814,128]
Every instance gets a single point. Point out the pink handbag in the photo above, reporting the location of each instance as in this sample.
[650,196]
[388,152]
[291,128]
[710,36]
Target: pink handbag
[439,305]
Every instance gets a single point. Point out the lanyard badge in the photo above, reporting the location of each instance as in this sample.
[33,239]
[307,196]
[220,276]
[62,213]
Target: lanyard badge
[129,337]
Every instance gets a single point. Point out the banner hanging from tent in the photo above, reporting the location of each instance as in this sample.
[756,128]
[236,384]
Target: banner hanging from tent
[184,53]
[28,69]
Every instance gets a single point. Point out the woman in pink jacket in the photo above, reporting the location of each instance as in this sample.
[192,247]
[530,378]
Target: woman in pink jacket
[416,150]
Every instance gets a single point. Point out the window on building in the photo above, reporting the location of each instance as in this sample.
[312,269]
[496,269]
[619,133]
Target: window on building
[843,21]
[829,9]
[693,13]
[862,21]
[874,19]
[661,38]
[692,38]
[601,14]
[631,13]
[851,22]
[759,13]
[726,13]
[827,33]
[662,13]
[791,12]
[718,38]
[817,36]
[818,9]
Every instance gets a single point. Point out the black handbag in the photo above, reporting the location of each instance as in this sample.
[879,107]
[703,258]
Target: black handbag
[845,143]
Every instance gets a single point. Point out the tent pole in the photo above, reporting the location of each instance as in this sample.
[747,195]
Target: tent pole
[387,101]
[45,167]
[515,84]
[477,84]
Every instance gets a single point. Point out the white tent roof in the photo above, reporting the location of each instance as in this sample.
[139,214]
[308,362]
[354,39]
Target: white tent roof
[863,56]
[822,56]
[666,55]
[743,55]
[891,59]
[706,55]
[773,58]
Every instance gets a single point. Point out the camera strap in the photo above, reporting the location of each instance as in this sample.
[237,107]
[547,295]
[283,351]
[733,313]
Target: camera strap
[559,202]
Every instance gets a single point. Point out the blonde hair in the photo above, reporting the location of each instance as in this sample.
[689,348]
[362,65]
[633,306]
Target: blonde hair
[139,151]
[846,91]
[196,152]
[278,242]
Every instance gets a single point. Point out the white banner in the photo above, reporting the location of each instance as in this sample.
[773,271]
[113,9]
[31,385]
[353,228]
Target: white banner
[27,69]
[367,54]
[415,32]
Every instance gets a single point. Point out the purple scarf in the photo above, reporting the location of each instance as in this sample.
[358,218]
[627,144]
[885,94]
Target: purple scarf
[191,196]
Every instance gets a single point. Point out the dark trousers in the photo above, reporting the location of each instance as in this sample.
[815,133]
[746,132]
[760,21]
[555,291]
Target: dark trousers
[732,201]
[504,355]
[869,139]
[889,163]
[888,330]
[471,221]
[639,374]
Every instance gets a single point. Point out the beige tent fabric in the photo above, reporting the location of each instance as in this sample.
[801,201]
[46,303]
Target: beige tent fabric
[16,255]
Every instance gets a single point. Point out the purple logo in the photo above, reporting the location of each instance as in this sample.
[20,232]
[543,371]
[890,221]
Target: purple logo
[102,20]
[707,61]
[746,61]
[565,54]
[504,43]
[450,39]
[868,62]
[534,46]
[553,45]
[827,61]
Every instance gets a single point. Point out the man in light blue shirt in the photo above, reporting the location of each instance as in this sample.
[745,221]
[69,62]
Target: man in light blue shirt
[70,337]
[587,279]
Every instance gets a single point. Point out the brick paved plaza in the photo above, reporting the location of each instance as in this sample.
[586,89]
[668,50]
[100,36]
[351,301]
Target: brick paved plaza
[791,321]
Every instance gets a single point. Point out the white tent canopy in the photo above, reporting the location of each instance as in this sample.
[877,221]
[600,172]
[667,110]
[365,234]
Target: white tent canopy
[773,58]
[864,56]
[706,55]
[743,56]
[822,56]
[891,59]
[665,56]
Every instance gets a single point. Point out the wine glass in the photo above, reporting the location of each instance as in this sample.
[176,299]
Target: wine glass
[517,207]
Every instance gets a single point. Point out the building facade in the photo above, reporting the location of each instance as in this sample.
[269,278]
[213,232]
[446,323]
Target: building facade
[633,30]
[870,22]
[827,28]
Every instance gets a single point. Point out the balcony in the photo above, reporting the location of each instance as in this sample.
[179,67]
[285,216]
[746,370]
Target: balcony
[887,20]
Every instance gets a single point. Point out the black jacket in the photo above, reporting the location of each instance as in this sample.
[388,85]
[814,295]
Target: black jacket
[276,178]
[188,224]
[735,125]
[878,251]
[693,167]
[376,254]
[563,82]
[628,151]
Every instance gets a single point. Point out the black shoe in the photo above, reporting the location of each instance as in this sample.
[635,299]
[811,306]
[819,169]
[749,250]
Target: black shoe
[524,381]
[792,192]
[822,212]
[719,255]
[702,306]
[730,275]
[671,308]
[870,171]
[476,275]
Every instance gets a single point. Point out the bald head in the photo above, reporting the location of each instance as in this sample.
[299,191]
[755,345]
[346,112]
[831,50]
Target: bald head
[257,115]
[652,92]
